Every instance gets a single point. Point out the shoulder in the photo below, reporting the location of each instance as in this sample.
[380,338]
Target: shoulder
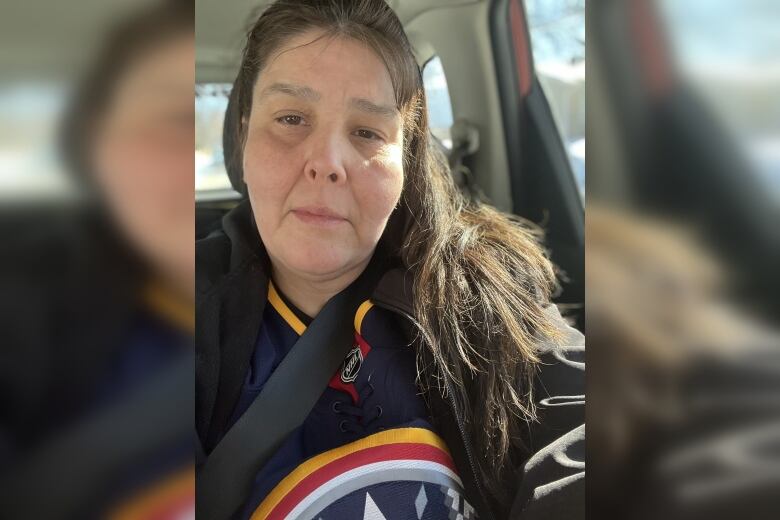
[560,382]
[562,367]
[552,478]
[212,261]
[227,252]
[381,327]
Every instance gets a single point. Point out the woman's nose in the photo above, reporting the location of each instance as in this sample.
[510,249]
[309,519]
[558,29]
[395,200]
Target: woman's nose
[326,160]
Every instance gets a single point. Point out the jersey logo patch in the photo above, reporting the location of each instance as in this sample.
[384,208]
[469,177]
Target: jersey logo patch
[351,366]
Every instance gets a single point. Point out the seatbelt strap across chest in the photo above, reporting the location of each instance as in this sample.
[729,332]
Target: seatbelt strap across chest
[224,480]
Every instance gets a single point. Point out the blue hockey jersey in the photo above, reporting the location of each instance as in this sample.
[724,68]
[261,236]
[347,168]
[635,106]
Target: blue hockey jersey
[367,448]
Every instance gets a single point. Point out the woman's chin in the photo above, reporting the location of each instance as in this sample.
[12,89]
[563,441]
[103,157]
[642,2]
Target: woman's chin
[317,266]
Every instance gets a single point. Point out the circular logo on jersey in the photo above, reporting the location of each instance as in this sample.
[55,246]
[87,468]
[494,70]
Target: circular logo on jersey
[398,473]
[352,364]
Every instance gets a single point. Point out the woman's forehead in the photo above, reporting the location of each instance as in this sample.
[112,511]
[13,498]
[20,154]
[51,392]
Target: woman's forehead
[320,64]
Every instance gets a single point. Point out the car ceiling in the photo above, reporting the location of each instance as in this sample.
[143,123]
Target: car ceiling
[44,38]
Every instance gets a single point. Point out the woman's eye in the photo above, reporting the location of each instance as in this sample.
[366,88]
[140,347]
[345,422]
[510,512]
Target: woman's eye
[290,120]
[367,134]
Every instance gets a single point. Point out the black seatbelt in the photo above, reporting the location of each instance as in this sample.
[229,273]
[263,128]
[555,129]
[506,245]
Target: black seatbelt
[223,482]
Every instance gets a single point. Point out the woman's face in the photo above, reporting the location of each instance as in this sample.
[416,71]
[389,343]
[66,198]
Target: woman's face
[323,155]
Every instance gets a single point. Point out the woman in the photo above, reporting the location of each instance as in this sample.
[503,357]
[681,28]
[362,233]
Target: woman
[327,132]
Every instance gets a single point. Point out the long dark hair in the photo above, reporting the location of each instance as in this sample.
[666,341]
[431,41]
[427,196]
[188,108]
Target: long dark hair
[481,278]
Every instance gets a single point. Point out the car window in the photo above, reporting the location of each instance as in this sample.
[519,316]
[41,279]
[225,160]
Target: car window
[439,105]
[211,101]
[558,41]
[30,164]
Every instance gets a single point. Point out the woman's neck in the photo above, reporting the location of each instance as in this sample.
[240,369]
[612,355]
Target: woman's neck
[310,293]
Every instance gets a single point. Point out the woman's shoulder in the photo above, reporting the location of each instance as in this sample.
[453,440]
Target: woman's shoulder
[560,388]
[551,481]
[212,261]
[234,247]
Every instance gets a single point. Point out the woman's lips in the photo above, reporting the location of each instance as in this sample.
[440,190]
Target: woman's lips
[318,216]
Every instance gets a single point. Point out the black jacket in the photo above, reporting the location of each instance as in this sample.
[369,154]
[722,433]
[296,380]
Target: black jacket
[232,280]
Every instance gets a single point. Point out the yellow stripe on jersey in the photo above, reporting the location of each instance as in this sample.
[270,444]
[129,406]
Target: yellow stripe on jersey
[282,308]
[361,313]
[296,324]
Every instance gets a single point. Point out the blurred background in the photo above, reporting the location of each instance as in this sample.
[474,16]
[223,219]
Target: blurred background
[97,260]
[682,256]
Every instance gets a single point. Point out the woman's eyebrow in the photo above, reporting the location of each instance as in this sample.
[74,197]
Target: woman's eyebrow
[364,105]
[289,89]
[309,94]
